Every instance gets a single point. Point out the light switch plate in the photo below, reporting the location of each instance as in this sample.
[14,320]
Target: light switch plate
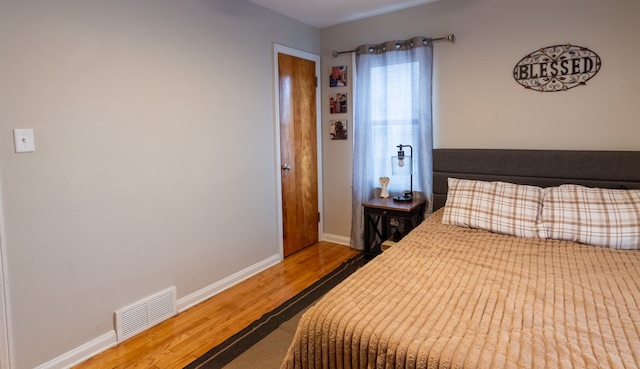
[23,140]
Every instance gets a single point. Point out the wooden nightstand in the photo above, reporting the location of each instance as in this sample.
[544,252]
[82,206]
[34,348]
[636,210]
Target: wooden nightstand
[378,213]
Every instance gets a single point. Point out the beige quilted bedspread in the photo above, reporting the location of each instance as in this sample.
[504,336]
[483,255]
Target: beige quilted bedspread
[448,297]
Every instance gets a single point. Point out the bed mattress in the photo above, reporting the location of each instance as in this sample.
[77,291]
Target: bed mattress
[451,297]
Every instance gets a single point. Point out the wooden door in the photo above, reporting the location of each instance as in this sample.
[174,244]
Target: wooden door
[298,152]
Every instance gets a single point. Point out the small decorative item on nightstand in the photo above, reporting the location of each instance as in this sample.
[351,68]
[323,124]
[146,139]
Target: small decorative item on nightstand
[384,182]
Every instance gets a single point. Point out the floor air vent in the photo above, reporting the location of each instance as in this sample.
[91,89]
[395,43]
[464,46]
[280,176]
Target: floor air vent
[146,313]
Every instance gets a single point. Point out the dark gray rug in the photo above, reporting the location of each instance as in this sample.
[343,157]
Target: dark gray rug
[223,354]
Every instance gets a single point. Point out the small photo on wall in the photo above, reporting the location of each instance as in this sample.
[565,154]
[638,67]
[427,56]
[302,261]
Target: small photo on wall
[338,129]
[338,76]
[338,103]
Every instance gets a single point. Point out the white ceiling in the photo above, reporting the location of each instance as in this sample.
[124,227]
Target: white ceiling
[323,13]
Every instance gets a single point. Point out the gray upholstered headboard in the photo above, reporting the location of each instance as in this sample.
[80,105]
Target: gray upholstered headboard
[544,168]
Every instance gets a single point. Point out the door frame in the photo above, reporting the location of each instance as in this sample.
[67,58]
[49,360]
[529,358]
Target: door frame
[6,347]
[280,49]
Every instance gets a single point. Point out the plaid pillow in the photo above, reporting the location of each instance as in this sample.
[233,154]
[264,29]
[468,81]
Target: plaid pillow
[593,216]
[498,207]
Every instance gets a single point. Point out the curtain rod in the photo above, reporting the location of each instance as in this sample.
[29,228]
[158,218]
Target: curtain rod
[451,38]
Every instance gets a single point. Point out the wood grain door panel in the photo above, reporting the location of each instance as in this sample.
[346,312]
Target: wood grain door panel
[298,152]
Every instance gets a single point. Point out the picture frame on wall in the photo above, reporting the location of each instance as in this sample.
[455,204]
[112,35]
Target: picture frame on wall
[338,76]
[338,129]
[338,103]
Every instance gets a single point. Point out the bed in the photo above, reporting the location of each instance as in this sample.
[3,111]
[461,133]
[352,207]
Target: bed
[472,295]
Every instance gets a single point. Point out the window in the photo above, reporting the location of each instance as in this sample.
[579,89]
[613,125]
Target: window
[393,118]
[392,106]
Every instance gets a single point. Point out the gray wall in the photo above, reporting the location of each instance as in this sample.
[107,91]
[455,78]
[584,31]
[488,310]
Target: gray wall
[477,103]
[155,155]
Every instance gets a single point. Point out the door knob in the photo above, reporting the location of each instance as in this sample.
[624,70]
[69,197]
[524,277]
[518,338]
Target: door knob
[286,167]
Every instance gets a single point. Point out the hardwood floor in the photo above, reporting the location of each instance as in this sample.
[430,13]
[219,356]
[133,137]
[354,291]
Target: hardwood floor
[178,341]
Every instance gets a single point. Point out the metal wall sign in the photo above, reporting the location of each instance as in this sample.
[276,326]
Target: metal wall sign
[557,68]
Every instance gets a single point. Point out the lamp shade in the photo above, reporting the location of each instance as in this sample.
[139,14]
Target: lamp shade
[401,165]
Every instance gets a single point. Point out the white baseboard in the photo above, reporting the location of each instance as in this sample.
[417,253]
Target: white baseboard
[82,353]
[217,287]
[109,340]
[341,240]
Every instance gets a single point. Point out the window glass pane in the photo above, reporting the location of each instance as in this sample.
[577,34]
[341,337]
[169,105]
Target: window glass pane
[392,91]
[393,113]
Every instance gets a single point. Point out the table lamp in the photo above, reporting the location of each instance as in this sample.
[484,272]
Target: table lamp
[403,165]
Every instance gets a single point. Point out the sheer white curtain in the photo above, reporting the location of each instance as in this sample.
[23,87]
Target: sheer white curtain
[392,107]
